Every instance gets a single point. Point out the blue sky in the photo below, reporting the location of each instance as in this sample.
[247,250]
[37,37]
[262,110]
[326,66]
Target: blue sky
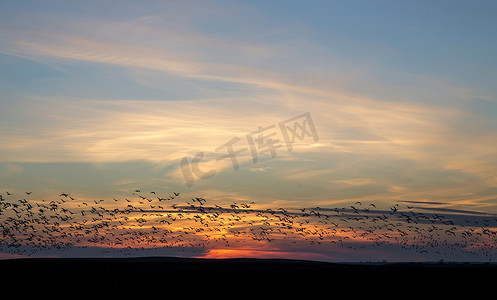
[104,97]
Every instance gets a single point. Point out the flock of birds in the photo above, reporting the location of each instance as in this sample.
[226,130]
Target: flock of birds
[147,220]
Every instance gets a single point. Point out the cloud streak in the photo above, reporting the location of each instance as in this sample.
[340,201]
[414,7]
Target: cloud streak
[383,142]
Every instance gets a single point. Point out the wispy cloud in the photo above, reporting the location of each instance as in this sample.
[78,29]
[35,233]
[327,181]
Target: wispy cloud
[369,130]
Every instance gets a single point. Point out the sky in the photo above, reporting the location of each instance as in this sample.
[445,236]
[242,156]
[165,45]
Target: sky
[370,107]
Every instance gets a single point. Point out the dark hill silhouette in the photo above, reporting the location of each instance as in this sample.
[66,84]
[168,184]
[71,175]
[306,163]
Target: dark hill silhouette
[243,276]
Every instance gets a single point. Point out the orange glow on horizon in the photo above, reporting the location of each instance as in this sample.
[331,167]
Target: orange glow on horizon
[263,254]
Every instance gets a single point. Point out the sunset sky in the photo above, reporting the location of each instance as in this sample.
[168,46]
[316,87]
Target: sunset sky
[383,102]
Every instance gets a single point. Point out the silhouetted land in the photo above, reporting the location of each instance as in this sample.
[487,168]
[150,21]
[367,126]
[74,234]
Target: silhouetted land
[243,276]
